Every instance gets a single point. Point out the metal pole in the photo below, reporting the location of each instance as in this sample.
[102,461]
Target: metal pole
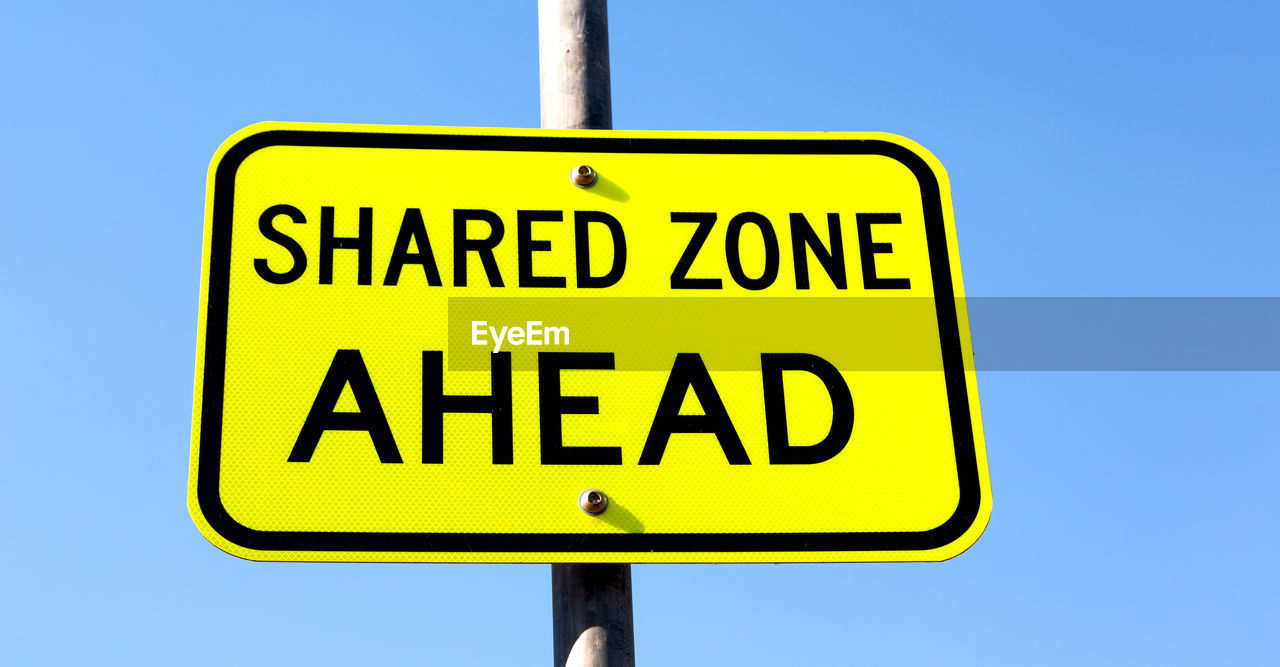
[591,603]
[591,615]
[573,64]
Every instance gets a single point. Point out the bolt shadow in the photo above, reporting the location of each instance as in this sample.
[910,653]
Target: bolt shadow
[610,190]
[618,517]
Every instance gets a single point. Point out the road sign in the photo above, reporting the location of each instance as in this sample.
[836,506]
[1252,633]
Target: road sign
[427,344]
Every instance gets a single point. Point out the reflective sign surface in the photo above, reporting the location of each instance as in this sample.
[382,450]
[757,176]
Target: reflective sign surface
[424,344]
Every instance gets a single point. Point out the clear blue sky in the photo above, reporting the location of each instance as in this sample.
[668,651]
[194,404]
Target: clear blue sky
[1094,149]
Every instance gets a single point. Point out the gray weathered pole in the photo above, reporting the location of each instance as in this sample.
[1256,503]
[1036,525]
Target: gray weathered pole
[591,603]
[573,64]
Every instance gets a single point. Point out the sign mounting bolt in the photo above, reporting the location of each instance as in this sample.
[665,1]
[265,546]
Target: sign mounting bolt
[593,501]
[584,176]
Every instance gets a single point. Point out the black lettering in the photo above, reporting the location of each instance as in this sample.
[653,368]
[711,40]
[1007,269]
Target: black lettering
[868,251]
[482,247]
[275,236]
[526,245]
[551,406]
[347,369]
[731,237]
[582,249]
[781,451]
[435,403]
[679,279]
[832,260]
[412,228]
[363,244]
[689,371]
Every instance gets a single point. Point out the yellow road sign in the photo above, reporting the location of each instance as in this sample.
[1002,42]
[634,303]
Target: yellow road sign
[425,344]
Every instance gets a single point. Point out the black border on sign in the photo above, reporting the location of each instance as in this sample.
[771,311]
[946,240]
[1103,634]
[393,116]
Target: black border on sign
[207,485]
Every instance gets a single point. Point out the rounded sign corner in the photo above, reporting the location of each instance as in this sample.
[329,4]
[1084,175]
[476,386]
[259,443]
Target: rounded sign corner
[240,145]
[240,136]
[210,533]
[223,531]
[916,150]
[970,535]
